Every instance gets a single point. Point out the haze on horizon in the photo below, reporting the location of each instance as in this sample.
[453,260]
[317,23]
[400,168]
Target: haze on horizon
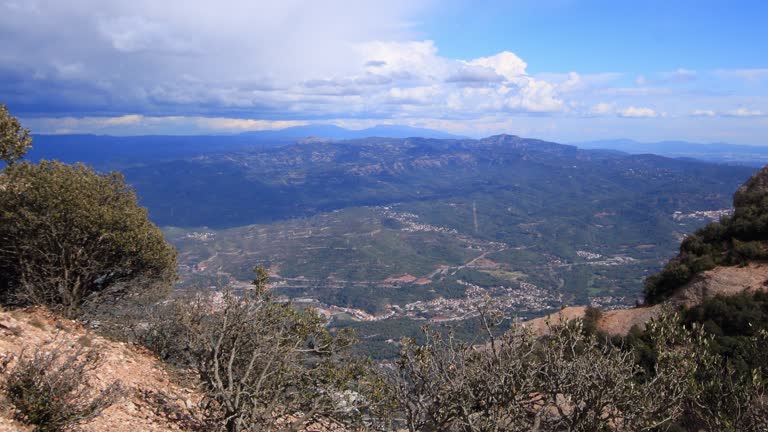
[564,70]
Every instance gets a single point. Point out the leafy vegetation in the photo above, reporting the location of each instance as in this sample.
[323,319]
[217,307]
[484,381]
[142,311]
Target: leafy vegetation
[571,381]
[732,357]
[15,140]
[733,322]
[71,236]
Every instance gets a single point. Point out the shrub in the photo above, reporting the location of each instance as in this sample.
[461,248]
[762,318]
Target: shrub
[592,316]
[71,236]
[50,388]
[748,251]
[662,285]
[574,381]
[261,364]
[171,329]
[566,381]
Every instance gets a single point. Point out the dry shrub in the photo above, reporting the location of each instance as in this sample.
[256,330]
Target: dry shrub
[50,388]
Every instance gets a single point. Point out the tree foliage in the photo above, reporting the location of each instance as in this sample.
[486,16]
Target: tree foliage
[15,140]
[69,236]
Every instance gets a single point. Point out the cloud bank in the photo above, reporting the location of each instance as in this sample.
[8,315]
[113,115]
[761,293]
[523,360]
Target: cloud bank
[196,66]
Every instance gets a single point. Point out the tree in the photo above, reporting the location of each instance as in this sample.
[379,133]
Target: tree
[70,236]
[14,139]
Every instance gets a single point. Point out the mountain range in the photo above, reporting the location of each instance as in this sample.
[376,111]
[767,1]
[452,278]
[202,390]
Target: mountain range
[114,152]
[384,233]
[750,155]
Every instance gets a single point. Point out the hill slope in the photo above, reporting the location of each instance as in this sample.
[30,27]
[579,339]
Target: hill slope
[736,254]
[153,401]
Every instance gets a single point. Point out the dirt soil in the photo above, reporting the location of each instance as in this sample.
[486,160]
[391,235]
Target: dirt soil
[152,402]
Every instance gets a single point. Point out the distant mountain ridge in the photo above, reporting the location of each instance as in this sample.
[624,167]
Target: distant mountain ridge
[736,154]
[334,132]
[299,179]
[115,152]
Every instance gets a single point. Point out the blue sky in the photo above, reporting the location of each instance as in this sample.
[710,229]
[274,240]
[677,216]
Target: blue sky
[593,36]
[565,70]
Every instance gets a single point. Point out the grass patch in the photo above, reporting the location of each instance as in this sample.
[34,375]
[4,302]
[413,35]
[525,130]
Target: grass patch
[511,276]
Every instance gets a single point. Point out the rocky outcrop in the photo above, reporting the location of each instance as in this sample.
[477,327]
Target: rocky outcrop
[721,281]
[725,281]
[614,322]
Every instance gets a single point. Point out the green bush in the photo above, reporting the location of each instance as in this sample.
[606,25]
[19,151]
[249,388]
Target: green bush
[71,236]
[749,250]
[662,285]
[733,321]
[592,316]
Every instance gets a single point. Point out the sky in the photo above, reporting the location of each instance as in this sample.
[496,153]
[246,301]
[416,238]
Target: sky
[564,70]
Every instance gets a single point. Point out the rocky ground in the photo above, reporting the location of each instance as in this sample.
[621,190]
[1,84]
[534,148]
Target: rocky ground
[152,401]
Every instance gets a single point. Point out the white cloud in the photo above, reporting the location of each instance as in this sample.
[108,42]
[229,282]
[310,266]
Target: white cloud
[132,34]
[574,83]
[128,119]
[414,75]
[536,96]
[249,64]
[603,108]
[744,74]
[187,58]
[703,113]
[137,46]
[744,112]
[505,63]
[638,112]
[402,60]
[239,125]
[413,96]
[129,124]
[680,75]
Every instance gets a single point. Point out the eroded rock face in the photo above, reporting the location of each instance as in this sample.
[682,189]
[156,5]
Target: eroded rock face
[755,188]
[722,281]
